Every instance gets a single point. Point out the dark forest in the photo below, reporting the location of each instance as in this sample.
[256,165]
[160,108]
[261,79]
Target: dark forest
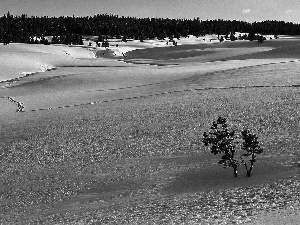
[69,30]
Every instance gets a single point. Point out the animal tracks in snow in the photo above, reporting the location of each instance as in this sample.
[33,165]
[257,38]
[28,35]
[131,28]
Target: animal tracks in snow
[21,106]
[169,92]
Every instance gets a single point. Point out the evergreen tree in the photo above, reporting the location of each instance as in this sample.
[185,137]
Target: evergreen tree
[20,28]
[251,36]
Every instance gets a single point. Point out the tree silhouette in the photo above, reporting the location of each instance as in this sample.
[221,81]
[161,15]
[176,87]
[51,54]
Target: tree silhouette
[66,28]
[252,148]
[221,140]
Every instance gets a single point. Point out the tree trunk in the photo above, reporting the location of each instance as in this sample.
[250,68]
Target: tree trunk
[251,165]
[235,171]
[245,164]
[248,173]
[250,169]
[234,166]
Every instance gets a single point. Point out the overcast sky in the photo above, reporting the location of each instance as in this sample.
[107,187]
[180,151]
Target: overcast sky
[246,10]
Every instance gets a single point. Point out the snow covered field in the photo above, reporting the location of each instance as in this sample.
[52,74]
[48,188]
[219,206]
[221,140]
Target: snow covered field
[98,136]
[43,77]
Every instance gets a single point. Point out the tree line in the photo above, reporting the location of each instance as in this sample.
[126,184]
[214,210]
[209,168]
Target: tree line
[69,30]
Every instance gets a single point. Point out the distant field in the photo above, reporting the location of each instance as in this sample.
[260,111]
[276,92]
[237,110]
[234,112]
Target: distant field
[282,49]
[120,143]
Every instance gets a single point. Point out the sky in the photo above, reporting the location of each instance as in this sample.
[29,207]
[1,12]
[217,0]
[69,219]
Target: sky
[245,10]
